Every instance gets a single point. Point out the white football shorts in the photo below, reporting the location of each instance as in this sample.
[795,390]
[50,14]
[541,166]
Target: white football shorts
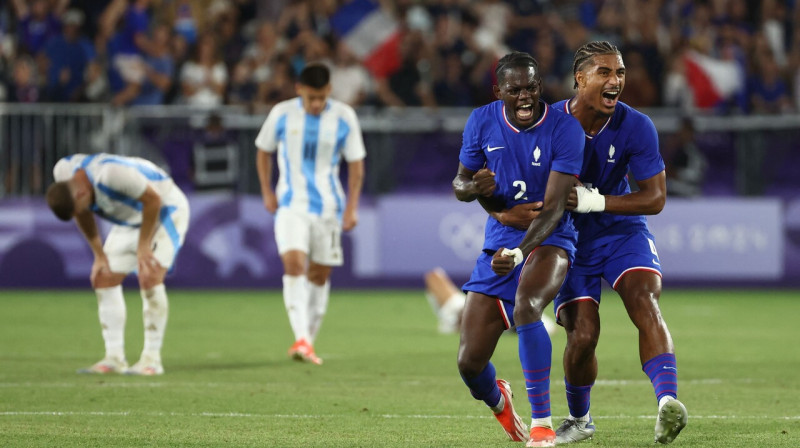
[319,237]
[122,241]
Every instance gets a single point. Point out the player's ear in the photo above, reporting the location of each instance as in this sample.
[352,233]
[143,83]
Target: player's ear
[580,79]
[496,90]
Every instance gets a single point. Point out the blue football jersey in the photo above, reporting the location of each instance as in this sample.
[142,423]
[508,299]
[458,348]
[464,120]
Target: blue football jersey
[521,160]
[627,142]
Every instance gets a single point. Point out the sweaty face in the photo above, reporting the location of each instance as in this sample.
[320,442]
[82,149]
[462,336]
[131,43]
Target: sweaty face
[601,82]
[313,99]
[519,90]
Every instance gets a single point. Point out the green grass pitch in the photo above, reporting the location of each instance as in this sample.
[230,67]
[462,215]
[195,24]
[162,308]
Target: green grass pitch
[389,380]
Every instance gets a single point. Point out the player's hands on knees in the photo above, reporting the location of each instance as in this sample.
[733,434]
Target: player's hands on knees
[520,215]
[484,182]
[149,269]
[502,264]
[270,202]
[101,271]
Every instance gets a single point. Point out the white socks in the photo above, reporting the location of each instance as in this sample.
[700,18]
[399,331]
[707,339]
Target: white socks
[111,309]
[546,422]
[317,306]
[296,300]
[154,316]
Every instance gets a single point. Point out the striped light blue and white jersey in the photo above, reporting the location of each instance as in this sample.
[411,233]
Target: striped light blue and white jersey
[118,182]
[310,149]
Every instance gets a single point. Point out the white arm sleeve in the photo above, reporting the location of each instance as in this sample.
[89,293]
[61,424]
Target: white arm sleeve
[354,145]
[266,140]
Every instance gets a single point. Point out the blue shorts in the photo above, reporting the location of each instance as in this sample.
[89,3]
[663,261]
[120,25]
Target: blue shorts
[633,252]
[484,281]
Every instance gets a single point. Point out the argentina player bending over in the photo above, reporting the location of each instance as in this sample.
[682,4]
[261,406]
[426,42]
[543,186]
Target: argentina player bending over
[150,216]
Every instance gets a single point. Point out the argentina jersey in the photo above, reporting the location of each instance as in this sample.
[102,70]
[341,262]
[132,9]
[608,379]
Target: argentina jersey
[118,182]
[310,149]
[627,142]
[521,160]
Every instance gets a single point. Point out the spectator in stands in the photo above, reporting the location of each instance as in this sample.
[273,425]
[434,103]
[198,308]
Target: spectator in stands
[186,18]
[260,54]
[203,78]
[37,22]
[451,87]
[128,42]
[242,89]
[231,42]
[768,92]
[350,81]
[24,85]
[279,87]
[67,58]
[411,85]
[158,69]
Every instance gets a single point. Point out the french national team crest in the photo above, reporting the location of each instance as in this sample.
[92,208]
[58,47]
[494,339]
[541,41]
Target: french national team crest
[611,151]
[536,154]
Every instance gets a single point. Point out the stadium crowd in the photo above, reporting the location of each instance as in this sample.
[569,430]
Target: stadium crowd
[246,52]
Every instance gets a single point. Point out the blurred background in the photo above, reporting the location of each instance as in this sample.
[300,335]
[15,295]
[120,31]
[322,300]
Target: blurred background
[188,83]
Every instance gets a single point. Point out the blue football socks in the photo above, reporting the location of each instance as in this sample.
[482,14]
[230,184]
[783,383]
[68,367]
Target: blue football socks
[663,373]
[535,355]
[484,386]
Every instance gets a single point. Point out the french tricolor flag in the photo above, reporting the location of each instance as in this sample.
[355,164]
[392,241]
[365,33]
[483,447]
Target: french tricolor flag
[711,80]
[371,34]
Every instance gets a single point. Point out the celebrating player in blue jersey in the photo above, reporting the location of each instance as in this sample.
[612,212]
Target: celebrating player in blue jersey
[516,153]
[614,242]
[311,134]
[150,216]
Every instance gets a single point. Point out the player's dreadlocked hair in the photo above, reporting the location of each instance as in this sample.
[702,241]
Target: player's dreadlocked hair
[315,76]
[513,60]
[587,51]
[59,198]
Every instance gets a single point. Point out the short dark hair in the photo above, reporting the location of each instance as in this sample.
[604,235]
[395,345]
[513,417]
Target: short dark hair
[59,199]
[515,59]
[587,51]
[315,76]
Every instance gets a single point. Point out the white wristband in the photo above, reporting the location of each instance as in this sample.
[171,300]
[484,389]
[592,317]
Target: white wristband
[589,200]
[516,253]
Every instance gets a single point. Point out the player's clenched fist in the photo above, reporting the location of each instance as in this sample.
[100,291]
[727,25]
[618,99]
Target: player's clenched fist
[484,182]
[502,264]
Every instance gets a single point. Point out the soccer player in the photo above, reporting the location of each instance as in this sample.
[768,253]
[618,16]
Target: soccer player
[515,151]
[150,216]
[614,242]
[311,134]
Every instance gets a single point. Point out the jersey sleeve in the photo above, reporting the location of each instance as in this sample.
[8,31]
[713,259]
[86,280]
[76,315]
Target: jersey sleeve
[472,155]
[353,150]
[645,158]
[267,138]
[568,147]
[122,180]
[63,170]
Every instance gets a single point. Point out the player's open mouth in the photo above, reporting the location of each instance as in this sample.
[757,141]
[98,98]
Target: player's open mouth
[525,112]
[610,97]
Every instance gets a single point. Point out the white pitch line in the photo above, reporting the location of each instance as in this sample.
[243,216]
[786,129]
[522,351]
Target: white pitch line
[323,416]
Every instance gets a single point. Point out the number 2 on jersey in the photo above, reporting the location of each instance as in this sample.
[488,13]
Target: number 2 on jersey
[522,187]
